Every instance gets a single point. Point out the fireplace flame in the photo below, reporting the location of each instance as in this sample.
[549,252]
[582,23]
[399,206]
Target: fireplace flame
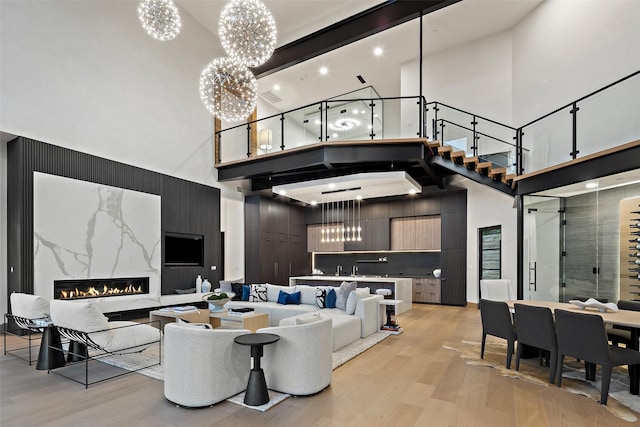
[92,291]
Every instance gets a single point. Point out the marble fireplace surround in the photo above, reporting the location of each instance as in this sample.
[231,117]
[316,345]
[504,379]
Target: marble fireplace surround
[84,230]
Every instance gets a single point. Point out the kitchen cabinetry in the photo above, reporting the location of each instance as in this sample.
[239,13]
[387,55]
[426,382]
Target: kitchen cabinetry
[275,241]
[426,290]
[415,233]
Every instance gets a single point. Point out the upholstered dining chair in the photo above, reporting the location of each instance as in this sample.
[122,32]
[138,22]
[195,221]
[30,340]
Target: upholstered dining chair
[620,334]
[584,336]
[26,309]
[496,290]
[496,321]
[535,327]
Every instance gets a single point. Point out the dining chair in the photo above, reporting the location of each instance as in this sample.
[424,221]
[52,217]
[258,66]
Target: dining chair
[535,327]
[584,336]
[621,334]
[496,290]
[496,321]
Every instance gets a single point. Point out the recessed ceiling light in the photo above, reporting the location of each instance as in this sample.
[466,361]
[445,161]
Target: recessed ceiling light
[282,192]
[332,185]
[412,191]
[369,127]
[276,87]
[318,121]
[334,135]
[377,51]
[313,203]
[355,111]
[592,185]
[358,197]
[323,70]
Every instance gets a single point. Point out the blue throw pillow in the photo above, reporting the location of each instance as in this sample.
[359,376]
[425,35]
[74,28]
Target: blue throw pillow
[330,299]
[294,298]
[285,298]
[282,297]
[245,292]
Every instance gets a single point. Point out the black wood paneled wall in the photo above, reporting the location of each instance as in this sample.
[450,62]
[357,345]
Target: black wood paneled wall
[187,207]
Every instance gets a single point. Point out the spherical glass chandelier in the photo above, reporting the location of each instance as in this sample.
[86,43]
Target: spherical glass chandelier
[160,18]
[247,31]
[228,89]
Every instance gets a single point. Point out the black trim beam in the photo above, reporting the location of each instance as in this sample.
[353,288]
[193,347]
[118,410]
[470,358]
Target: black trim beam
[609,164]
[322,158]
[473,175]
[371,21]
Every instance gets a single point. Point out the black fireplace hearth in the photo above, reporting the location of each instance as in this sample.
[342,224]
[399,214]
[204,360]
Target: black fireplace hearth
[99,288]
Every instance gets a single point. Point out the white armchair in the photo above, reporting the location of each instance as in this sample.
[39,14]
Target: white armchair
[300,363]
[83,323]
[203,366]
[25,310]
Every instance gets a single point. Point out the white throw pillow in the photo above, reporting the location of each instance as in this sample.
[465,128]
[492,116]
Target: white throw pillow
[29,306]
[342,293]
[307,294]
[309,319]
[184,323]
[258,293]
[353,299]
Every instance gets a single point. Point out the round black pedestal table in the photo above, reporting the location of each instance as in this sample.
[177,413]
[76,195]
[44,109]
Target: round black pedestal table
[257,393]
[50,355]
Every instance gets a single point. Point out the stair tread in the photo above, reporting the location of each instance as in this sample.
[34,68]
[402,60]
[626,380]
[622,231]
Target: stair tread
[458,154]
[445,149]
[483,165]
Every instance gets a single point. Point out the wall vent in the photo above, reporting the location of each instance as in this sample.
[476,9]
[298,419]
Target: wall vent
[271,97]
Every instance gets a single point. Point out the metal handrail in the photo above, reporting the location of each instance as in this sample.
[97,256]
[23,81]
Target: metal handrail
[571,104]
[482,134]
[471,114]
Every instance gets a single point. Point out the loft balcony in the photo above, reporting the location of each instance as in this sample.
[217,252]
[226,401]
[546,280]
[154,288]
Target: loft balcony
[431,140]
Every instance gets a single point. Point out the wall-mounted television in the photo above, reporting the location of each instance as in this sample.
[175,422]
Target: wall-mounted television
[183,250]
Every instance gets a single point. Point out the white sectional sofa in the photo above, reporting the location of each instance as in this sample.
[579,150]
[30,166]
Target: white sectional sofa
[358,320]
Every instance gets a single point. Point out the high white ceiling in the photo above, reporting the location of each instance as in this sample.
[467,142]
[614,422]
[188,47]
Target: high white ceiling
[302,84]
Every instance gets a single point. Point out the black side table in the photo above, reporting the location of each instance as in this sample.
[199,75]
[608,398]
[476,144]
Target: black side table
[50,355]
[257,393]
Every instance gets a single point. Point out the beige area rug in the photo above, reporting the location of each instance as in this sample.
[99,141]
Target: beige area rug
[340,357]
[620,403]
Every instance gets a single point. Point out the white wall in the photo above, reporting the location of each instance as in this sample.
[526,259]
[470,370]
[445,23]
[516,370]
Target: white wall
[85,76]
[3,228]
[487,207]
[564,50]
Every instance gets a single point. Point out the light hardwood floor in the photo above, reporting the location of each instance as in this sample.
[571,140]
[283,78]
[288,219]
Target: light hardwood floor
[406,380]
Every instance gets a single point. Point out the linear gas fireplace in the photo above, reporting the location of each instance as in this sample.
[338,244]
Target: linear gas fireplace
[98,288]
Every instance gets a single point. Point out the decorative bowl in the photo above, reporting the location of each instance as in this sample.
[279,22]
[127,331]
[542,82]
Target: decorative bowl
[216,304]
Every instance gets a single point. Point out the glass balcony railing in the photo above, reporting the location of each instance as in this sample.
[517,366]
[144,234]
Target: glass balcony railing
[603,119]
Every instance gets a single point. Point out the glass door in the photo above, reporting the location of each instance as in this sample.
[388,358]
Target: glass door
[543,251]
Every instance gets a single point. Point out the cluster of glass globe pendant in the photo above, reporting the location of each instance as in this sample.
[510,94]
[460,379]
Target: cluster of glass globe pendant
[335,231]
[247,31]
[248,34]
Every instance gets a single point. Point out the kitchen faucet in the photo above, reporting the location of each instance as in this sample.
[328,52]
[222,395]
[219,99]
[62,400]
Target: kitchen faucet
[338,270]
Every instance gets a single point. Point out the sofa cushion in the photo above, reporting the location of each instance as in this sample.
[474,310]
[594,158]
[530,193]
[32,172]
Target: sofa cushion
[246,290]
[342,293]
[258,293]
[273,291]
[286,298]
[29,306]
[354,297]
[321,295]
[330,299]
[307,294]
[303,320]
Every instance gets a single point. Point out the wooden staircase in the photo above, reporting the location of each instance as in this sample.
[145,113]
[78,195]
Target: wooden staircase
[472,163]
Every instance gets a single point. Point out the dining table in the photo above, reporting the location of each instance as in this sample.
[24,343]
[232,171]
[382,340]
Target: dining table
[627,318]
